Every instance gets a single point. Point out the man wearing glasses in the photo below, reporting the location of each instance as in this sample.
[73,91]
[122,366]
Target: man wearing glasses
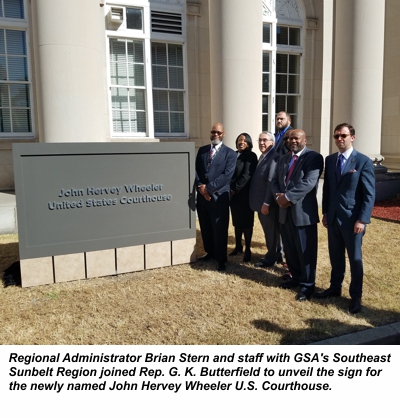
[215,165]
[263,202]
[347,202]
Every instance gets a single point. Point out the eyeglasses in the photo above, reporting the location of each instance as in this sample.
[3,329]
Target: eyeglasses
[263,140]
[343,136]
[216,132]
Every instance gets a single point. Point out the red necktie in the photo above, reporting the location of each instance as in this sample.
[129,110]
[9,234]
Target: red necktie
[289,174]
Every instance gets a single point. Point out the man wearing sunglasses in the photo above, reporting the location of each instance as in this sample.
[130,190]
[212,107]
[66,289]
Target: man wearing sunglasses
[215,165]
[347,202]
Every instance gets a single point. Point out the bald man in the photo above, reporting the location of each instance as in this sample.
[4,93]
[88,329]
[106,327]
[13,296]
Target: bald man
[215,165]
[294,185]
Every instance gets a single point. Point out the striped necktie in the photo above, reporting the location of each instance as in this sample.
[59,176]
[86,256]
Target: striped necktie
[291,168]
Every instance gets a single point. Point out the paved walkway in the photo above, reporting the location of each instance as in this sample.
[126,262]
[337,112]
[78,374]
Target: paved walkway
[8,213]
[384,335]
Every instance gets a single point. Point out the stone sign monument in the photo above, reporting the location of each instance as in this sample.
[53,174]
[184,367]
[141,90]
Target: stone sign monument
[95,209]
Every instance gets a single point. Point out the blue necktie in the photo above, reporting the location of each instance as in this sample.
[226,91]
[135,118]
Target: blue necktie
[338,170]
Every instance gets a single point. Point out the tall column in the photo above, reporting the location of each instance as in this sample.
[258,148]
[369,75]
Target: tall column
[358,75]
[69,54]
[236,66]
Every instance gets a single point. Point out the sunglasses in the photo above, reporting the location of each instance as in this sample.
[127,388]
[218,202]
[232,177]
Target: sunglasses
[216,132]
[343,136]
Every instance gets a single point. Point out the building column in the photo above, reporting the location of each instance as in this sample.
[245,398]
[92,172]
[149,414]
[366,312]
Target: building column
[70,68]
[236,67]
[358,71]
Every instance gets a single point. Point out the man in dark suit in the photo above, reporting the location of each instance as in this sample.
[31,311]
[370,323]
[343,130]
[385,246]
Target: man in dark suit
[294,184]
[263,201]
[283,122]
[215,165]
[347,202]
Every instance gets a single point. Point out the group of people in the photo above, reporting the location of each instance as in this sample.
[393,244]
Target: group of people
[281,186]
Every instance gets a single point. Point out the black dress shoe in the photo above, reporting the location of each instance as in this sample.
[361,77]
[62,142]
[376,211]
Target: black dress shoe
[355,305]
[265,264]
[247,256]
[328,293]
[205,257]
[221,266]
[289,283]
[305,293]
[236,250]
[279,260]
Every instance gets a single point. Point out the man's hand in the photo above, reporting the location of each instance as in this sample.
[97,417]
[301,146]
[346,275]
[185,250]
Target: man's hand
[265,209]
[325,221]
[359,227]
[203,191]
[282,201]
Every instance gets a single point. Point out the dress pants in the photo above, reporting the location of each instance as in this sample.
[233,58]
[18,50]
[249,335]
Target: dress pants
[271,228]
[301,245]
[341,239]
[214,223]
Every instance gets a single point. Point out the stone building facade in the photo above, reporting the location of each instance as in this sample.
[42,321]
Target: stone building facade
[165,70]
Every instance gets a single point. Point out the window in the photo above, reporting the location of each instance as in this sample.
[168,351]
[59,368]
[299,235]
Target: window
[147,71]
[15,85]
[12,9]
[266,33]
[287,36]
[288,84]
[134,18]
[168,101]
[266,88]
[128,94]
[282,51]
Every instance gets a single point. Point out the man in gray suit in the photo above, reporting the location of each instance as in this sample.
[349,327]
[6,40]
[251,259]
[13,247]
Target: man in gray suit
[263,202]
[294,185]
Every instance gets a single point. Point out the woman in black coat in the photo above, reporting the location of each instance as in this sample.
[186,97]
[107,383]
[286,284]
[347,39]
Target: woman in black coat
[242,215]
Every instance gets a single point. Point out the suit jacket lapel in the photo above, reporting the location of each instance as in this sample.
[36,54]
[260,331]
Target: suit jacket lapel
[286,160]
[263,162]
[299,163]
[206,155]
[350,163]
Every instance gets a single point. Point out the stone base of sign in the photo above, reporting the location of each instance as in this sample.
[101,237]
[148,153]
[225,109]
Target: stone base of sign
[37,271]
[130,259]
[183,251]
[64,268]
[69,267]
[100,263]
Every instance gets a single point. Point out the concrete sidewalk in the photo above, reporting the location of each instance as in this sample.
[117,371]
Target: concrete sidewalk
[8,213]
[384,335]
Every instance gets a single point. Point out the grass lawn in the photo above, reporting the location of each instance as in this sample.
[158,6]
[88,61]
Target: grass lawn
[195,304]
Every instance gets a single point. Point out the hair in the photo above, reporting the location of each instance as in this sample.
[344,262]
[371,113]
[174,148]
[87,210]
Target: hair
[345,125]
[286,113]
[247,138]
[270,135]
